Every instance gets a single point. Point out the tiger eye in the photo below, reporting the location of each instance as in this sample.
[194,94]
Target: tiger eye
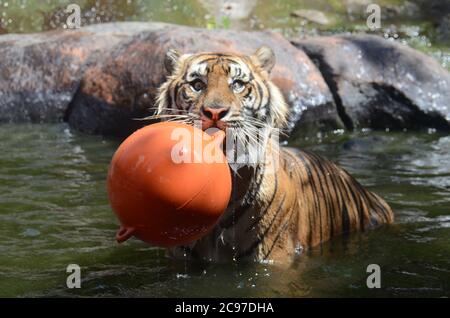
[198,85]
[238,86]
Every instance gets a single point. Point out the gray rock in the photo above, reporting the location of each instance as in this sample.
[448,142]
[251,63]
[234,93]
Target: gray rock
[443,29]
[381,84]
[40,73]
[101,77]
[312,15]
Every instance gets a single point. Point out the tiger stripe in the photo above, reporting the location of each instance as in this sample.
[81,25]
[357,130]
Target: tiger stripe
[271,216]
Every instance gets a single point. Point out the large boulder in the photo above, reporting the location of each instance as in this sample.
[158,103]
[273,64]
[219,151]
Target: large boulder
[382,84]
[40,73]
[100,78]
[126,80]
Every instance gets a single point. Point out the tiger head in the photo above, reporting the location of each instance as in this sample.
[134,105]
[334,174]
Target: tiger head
[225,91]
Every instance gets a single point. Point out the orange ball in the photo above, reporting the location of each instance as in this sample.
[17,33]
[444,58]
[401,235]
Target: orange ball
[168,184]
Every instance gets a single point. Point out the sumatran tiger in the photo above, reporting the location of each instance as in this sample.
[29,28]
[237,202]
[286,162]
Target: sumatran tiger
[274,213]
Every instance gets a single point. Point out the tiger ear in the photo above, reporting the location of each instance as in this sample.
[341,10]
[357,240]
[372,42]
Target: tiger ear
[265,57]
[171,60]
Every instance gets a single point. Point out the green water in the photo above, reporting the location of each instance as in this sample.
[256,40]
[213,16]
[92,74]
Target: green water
[412,22]
[54,212]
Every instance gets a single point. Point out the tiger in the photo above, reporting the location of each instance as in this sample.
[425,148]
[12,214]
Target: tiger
[274,215]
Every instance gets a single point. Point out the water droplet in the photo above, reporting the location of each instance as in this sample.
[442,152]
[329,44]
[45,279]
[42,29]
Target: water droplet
[298,249]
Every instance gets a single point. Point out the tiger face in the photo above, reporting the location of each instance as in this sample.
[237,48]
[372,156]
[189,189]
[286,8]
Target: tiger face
[225,91]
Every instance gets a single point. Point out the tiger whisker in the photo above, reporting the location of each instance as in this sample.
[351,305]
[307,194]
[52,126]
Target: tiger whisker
[168,108]
[162,116]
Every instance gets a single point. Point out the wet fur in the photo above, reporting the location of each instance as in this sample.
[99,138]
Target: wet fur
[274,214]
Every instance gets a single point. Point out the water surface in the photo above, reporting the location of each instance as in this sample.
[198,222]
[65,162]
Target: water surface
[54,212]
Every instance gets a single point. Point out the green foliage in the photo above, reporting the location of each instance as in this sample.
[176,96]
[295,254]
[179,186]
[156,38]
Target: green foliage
[225,23]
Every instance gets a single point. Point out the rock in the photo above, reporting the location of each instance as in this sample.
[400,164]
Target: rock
[120,86]
[381,84]
[128,77]
[443,29]
[40,73]
[433,10]
[312,15]
[101,77]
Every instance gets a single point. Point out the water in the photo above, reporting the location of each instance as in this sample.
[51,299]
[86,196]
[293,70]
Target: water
[54,212]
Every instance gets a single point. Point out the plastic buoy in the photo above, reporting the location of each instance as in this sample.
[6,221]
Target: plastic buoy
[168,184]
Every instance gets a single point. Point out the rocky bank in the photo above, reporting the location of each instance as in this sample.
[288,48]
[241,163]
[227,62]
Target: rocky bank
[102,77]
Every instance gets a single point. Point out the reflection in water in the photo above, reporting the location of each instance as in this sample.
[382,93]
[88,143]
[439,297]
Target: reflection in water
[54,212]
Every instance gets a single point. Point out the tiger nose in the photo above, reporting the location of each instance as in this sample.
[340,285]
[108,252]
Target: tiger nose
[215,113]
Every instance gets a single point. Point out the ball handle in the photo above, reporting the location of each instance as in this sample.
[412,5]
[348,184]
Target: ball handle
[124,233]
